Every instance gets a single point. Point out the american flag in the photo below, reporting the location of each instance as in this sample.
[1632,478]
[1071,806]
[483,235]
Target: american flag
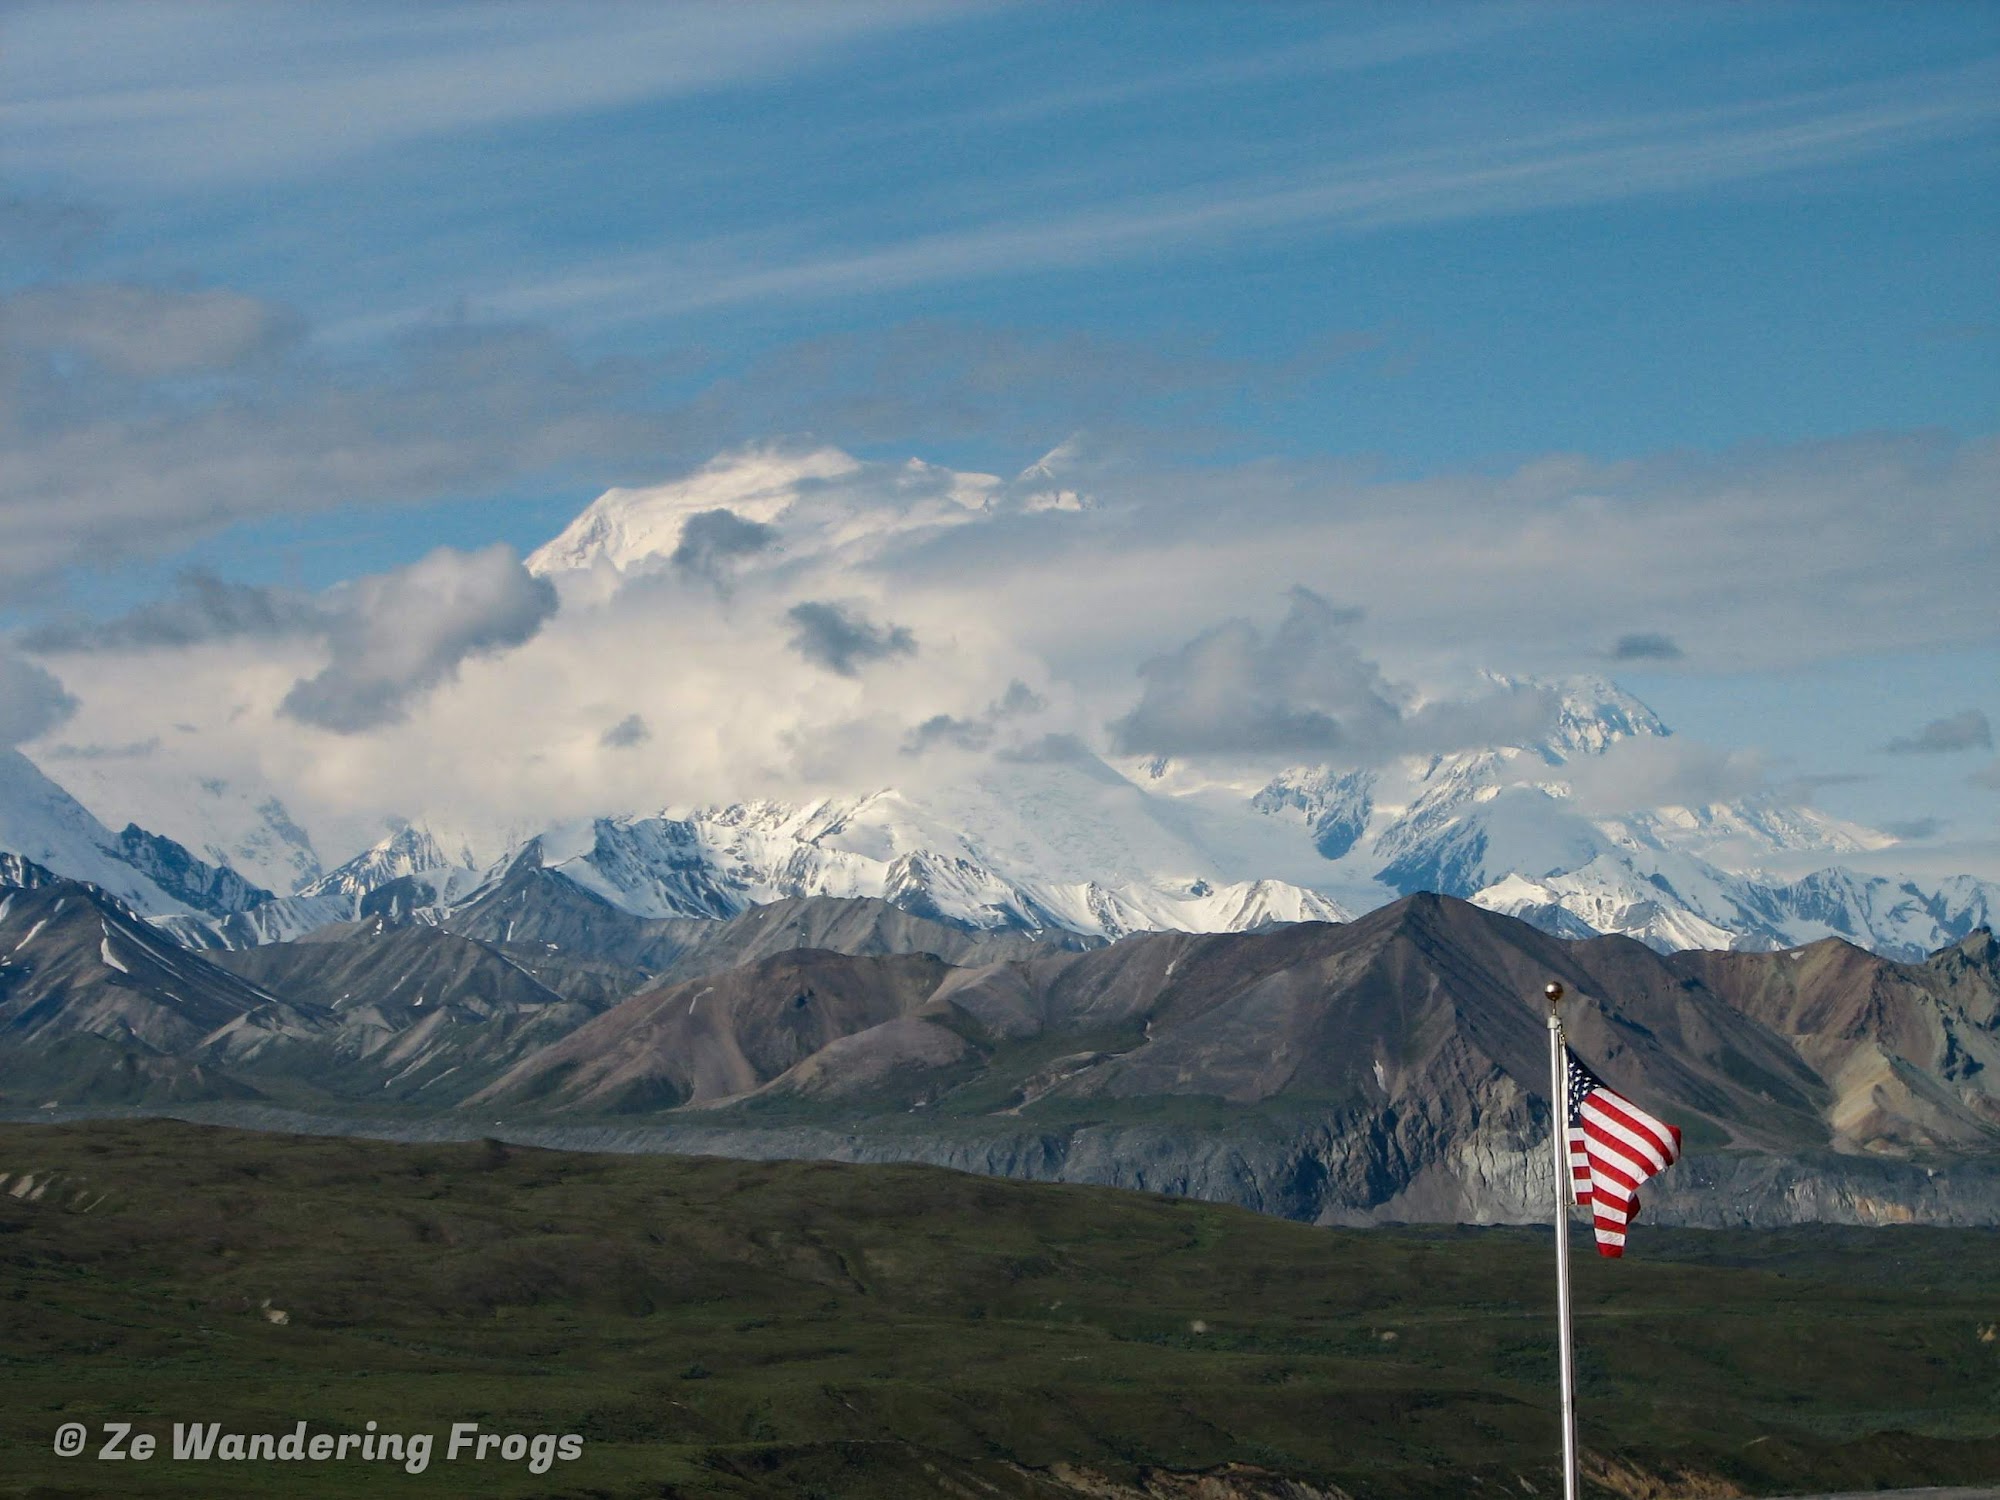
[1613,1147]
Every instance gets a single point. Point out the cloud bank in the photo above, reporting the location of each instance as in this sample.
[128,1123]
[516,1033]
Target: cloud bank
[628,732]
[1305,690]
[1646,646]
[397,635]
[712,540]
[1646,772]
[202,609]
[139,331]
[882,614]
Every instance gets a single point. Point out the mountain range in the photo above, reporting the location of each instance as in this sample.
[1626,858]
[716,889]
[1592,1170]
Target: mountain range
[1391,1067]
[1082,845]
[1293,986]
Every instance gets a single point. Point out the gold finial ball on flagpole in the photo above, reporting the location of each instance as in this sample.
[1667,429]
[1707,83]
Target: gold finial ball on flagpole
[1554,991]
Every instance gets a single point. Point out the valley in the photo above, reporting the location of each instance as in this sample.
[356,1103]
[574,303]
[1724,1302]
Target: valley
[715,1329]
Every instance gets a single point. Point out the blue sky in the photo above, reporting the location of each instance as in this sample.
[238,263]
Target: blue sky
[470,265]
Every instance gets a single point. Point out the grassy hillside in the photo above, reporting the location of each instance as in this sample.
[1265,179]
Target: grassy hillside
[723,1328]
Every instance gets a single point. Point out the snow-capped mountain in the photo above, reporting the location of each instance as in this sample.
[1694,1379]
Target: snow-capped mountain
[1461,822]
[773,496]
[720,861]
[1043,835]
[1074,842]
[443,864]
[1105,846]
[627,528]
[149,873]
[215,889]
[1504,827]
[222,820]
[414,869]
[821,501]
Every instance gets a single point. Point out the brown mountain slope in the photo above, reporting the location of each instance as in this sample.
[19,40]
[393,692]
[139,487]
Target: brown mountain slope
[1910,1052]
[534,907]
[1395,1066]
[862,926]
[1392,1067]
[1366,1011]
[707,1040]
[399,968]
[414,1014]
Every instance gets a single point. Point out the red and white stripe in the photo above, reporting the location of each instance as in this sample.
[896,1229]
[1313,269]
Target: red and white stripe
[1613,1147]
[1579,1168]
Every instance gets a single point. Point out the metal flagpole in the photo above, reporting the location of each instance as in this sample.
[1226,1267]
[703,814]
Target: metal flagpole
[1559,1145]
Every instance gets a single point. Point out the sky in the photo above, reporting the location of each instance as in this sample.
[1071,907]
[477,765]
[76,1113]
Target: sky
[1659,343]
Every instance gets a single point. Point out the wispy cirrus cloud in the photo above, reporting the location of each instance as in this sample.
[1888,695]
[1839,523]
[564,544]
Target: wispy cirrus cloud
[1431,35]
[255,91]
[1593,161]
[39,230]
[135,419]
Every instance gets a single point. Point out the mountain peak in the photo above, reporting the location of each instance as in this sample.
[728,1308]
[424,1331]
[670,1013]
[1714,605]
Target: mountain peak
[1978,946]
[798,502]
[445,863]
[1593,713]
[19,873]
[626,528]
[1049,483]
